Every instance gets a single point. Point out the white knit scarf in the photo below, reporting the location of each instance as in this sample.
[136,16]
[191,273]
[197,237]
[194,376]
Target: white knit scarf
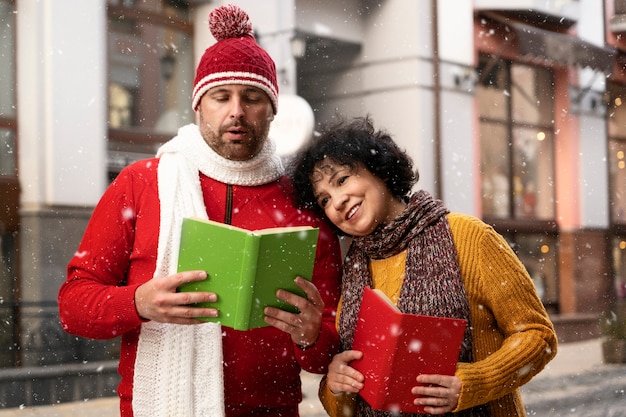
[178,368]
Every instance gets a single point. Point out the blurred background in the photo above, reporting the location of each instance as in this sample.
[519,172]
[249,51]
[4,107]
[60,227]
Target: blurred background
[511,109]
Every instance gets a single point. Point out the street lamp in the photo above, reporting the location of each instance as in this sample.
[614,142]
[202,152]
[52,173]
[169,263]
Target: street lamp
[298,46]
[168,62]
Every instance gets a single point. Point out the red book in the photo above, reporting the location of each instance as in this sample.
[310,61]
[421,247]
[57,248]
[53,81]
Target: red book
[397,347]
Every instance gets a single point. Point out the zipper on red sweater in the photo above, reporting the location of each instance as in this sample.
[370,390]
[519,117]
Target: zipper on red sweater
[228,216]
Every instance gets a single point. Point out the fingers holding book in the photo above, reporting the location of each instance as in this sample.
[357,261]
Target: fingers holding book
[439,394]
[304,326]
[158,300]
[341,376]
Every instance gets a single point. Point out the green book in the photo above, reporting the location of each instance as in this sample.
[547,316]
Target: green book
[245,268]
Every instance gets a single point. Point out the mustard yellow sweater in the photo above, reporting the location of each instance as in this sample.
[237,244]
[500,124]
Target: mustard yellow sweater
[513,337]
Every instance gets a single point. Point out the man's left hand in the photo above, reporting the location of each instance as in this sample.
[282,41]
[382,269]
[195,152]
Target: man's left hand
[304,327]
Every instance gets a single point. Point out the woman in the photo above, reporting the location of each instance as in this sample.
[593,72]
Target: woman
[428,261]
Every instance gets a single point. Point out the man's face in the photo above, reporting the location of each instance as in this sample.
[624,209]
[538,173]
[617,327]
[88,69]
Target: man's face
[234,120]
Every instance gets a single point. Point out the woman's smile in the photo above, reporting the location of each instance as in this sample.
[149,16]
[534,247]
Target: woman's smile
[353,211]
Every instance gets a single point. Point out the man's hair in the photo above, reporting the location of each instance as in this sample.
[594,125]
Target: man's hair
[353,144]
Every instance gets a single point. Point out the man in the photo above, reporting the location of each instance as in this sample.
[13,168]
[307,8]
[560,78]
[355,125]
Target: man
[123,280]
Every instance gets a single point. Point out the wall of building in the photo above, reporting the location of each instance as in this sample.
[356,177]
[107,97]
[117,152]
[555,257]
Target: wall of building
[62,98]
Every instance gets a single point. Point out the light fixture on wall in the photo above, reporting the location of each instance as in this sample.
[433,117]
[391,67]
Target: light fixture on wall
[465,78]
[168,63]
[298,46]
[587,100]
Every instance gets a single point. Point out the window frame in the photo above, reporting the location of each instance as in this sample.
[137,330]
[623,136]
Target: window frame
[9,215]
[137,143]
[515,227]
[615,90]
[510,126]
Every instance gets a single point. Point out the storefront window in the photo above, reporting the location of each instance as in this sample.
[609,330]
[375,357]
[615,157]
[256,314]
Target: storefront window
[9,188]
[8,307]
[496,172]
[532,174]
[7,59]
[515,103]
[617,158]
[516,140]
[619,267]
[7,152]
[538,254]
[151,65]
[150,76]
[8,114]
[616,113]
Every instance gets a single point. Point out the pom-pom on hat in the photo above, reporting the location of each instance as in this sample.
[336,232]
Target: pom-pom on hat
[236,58]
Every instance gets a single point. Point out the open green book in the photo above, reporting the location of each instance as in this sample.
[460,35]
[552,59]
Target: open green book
[245,268]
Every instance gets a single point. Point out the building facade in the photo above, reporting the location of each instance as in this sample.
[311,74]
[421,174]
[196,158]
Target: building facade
[512,111]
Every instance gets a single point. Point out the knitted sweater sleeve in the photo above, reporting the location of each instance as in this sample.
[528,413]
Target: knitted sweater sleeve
[513,337]
[327,279]
[97,299]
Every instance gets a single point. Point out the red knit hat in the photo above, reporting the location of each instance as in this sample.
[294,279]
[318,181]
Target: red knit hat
[236,58]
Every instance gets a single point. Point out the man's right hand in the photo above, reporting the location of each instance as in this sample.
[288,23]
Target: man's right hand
[158,300]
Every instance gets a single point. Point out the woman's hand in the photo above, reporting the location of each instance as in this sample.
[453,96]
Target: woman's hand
[440,393]
[341,376]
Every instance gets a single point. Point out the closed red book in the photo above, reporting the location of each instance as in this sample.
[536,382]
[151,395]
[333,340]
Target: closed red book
[397,347]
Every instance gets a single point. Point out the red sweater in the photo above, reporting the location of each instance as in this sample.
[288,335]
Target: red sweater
[118,253]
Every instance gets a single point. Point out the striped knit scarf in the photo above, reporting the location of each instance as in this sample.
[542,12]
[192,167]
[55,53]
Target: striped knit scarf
[432,285]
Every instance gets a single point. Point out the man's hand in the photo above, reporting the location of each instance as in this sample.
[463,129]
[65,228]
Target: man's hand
[341,376]
[305,326]
[440,395]
[158,300]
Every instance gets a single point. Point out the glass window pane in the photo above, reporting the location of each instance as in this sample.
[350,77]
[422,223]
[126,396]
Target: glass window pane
[616,111]
[151,73]
[495,169]
[538,253]
[531,95]
[616,115]
[619,266]
[7,59]
[533,184]
[617,170]
[7,298]
[7,153]
[492,93]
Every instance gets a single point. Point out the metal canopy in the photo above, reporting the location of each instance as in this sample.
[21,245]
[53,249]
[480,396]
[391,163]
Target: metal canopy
[557,48]
[562,49]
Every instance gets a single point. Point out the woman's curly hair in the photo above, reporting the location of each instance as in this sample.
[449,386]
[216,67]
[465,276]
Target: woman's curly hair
[353,144]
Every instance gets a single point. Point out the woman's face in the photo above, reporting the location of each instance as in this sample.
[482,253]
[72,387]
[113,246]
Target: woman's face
[355,200]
